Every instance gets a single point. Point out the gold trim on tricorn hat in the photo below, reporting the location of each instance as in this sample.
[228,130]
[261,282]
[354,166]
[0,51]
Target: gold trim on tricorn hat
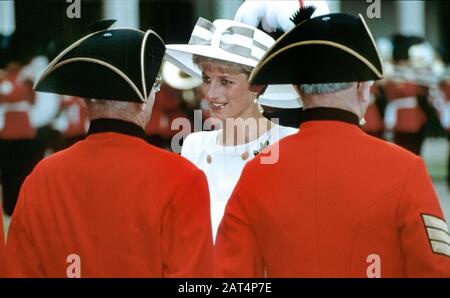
[106,64]
[116,70]
[327,49]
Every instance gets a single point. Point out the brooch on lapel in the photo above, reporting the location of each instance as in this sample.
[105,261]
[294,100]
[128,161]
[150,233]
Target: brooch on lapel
[261,147]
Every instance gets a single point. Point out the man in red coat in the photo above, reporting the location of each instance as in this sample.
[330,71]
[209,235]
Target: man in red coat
[338,202]
[111,205]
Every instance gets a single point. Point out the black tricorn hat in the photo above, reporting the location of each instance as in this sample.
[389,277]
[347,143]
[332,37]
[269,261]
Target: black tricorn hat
[116,64]
[330,48]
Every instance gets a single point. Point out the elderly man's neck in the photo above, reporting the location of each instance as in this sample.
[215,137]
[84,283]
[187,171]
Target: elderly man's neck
[344,100]
[127,119]
[125,111]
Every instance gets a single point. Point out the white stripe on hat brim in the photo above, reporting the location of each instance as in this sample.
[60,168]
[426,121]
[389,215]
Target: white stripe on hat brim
[180,55]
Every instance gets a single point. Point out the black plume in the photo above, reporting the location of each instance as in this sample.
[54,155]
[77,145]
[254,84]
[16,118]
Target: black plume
[303,14]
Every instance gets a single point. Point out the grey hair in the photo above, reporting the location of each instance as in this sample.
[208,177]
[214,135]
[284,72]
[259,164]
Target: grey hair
[109,105]
[108,108]
[312,89]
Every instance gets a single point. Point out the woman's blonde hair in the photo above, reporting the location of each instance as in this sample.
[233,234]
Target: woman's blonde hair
[225,66]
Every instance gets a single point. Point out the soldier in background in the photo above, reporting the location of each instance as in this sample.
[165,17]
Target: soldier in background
[374,117]
[444,86]
[72,121]
[19,149]
[406,88]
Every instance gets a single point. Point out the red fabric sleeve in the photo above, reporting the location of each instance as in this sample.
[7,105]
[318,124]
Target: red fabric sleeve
[423,231]
[186,236]
[236,252]
[22,259]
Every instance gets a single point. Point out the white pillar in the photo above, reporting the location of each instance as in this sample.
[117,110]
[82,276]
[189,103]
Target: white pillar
[411,17]
[7,17]
[334,6]
[126,12]
[226,9]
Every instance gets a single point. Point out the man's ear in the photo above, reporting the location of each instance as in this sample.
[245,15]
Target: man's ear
[142,106]
[298,90]
[151,97]
[363,91]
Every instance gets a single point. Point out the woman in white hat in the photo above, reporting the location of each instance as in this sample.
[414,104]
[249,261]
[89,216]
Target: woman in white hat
[223,54]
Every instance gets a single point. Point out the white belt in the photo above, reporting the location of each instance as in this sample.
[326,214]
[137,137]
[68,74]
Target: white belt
[21,106]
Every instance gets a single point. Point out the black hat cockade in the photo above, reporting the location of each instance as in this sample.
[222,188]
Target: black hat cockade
[116,64]
[330,48]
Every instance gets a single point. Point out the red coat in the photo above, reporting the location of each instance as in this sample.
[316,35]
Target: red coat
[126,208]
[335,198]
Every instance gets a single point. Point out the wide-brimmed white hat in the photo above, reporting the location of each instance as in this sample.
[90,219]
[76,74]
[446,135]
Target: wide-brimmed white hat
[235,42]
[177,78]
[280,96]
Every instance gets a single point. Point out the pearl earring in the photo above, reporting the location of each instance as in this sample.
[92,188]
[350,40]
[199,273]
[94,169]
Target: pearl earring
[362,122]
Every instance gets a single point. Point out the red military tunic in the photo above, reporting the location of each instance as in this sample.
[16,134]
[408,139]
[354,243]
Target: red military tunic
[335,198]
[124,207]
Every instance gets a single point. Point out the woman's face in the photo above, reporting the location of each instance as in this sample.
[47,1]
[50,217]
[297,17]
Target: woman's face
[227,93]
